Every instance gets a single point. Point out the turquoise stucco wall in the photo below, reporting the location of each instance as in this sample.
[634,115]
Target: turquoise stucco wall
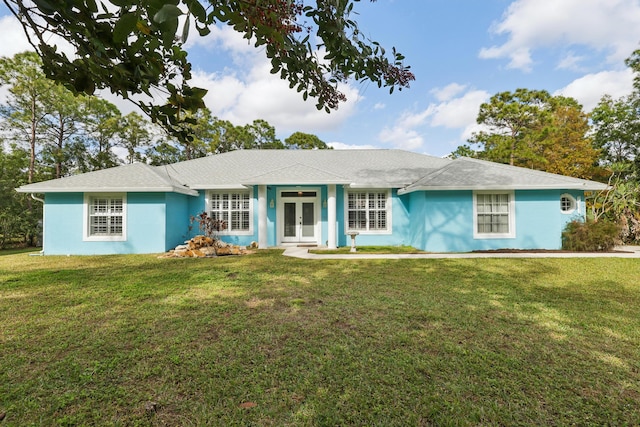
[433,221]
[416,234]
[177,223]
[195,206]
[447,219]
[438,221]
[63,226]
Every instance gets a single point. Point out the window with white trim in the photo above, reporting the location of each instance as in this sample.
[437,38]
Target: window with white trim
[494,214]
[105,217]
[567,203]
[233,207]
[368,211]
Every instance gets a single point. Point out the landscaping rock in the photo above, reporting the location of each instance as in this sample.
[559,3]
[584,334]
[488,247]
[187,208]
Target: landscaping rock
[204,246]
[223,251]
[208,251]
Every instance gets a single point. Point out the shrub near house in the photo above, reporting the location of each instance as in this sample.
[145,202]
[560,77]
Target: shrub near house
[591,236]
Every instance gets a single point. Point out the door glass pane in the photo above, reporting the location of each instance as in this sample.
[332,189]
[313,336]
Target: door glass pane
[289,220]
[308,220]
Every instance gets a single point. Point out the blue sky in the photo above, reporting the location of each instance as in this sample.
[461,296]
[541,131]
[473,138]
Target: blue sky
[461,51]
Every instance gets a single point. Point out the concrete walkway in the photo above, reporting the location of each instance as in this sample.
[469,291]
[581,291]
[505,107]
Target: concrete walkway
[621,252]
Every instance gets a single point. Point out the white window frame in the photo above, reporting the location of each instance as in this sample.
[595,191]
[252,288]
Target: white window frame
[511,216]
[229,210]
[388,209]
[87,214]
[574,204]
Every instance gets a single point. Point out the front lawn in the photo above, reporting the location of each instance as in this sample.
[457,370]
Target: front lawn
[273,341]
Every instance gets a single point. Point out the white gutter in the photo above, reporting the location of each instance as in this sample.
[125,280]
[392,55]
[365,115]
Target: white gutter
[127,189]
[37,198]
[359,185]
[502,188]
[219,187]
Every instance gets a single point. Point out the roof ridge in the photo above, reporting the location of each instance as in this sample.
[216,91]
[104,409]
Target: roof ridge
[326,172]
[163,172]
[434,173]
[321,170]
[156,170]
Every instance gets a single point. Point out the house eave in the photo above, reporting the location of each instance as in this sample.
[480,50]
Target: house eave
[293,182]
[44,190]
[501,187]
[219,186]
[359,185]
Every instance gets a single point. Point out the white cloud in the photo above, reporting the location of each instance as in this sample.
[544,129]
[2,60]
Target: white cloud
[571,61]
[459,112]
[451,113]
[13,37]
[403,134]
[223,90]
[343,146]
[604,25]
[258,94]
[403,138]
[15,41]
[224,39]
[448,92]
[411,120]
[589,89]
[246,91]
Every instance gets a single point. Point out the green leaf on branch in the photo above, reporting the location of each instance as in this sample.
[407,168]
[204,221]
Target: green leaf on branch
[185,30]
[166,13]
[125,26]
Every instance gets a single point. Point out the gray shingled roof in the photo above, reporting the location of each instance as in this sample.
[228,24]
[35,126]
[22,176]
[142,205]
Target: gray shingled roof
[137,177]
[404,170]
[299,174]
[473,174]
[371,168]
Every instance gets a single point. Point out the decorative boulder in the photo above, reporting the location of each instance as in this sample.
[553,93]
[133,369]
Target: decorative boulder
[204,246]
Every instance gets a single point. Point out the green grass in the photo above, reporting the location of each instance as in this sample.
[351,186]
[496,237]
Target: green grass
[136,340]
[13,251]
[345,250]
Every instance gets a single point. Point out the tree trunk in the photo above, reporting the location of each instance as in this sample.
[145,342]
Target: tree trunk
[60,144]
[32,142]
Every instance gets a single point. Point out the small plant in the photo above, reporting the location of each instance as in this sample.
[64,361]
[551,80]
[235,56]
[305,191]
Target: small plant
[590,236]
[208,225]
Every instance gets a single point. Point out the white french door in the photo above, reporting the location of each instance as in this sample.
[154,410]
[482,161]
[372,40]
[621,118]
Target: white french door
[298,216]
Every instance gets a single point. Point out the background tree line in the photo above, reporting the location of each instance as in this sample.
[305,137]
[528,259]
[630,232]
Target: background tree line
[48,132]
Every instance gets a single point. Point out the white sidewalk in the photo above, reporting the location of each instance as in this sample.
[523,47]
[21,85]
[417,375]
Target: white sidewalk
[621,252]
